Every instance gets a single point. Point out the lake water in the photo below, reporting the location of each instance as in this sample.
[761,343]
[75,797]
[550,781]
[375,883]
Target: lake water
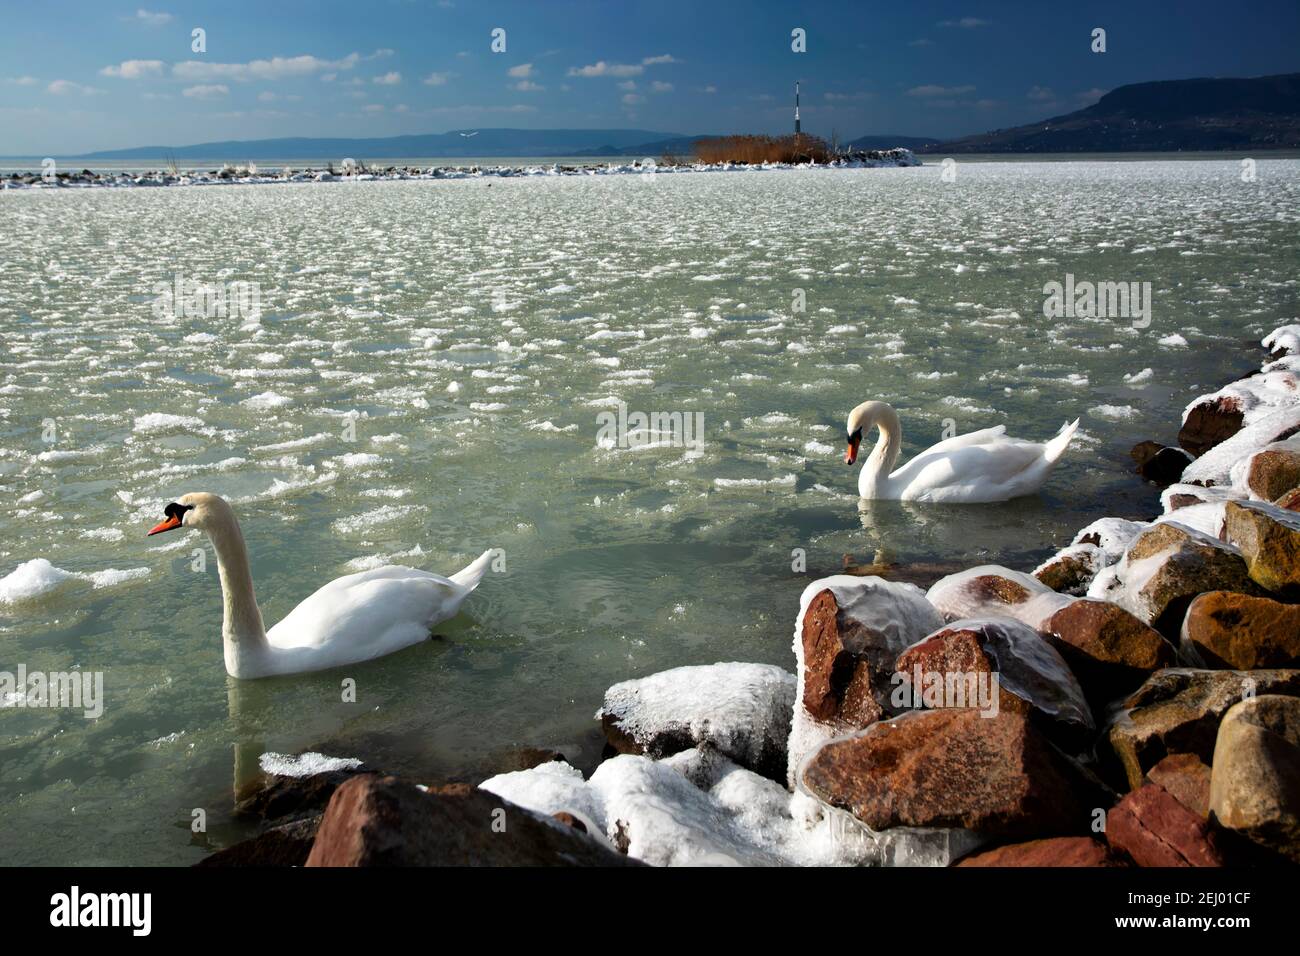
[423,381]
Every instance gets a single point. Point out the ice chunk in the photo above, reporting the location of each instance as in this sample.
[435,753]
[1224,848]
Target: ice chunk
[31,580]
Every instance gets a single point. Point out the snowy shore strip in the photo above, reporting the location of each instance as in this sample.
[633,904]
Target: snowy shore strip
[248,175]
[1134,700]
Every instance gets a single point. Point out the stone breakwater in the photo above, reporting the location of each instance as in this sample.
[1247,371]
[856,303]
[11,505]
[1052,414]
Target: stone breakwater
[249,175]
[1133,701]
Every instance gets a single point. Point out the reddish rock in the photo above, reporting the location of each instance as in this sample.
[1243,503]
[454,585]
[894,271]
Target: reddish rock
[1071,570]
[1053,851]
[1227,629]
[1273,472]
[1154,829]
[383,821]
[847,666]
[1177,710]
[1290,501]
[1110,650]
[953,768]
[1269,539]
[1209,423]
[1031,676]
[1186,778]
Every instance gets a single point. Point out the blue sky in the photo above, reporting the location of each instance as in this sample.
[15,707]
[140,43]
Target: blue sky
[88,76]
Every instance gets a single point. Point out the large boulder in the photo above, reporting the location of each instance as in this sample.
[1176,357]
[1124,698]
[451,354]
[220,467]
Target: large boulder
[955,667]
[994,591]
[997,776]
[1154,829]
[1267,425]
[1273,471]
[743,710]
[1269,539]
[1109,649]
[1255,783]
[1227,629]
[288,844]
[847,638]
[383,821]
[1051,852]
[1178,710]
[1210,422]
[1165,568]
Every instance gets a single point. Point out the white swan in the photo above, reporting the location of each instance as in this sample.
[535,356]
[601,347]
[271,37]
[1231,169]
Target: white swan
[354,618]
[982,466]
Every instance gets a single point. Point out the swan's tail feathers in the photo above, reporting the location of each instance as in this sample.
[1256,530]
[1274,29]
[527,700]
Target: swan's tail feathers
[1056,447]
[469,576]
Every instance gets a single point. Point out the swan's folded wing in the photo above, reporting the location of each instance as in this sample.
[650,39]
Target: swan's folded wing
[983,472]
[368,614]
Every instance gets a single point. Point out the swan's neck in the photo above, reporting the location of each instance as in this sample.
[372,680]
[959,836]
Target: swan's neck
[883,457]
[242,630]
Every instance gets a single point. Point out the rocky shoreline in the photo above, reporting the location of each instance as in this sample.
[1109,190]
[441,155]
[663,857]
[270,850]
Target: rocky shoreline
[1133,701]
[249,175]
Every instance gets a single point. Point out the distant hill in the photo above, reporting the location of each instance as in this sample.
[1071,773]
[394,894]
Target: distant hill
[481,142]
[1202,114]
[889,142]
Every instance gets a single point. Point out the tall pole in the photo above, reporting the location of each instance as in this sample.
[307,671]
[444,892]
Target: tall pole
[796,107]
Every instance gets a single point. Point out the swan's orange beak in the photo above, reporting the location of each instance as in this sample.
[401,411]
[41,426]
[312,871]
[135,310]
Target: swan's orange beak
[851,455]
[166,525]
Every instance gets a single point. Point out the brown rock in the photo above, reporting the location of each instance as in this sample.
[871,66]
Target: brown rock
[1255,783]
[1031,676]
[1273,472]
[1109,649]
[283,798]
[1158,463]
[1178,710]
[1071,570]
[1154,829]
[286,845]
[953,768]
[1226,629]
[1289,501]
[383,821]
[1053,851]
[1269,538]
[1209,423]
[569,820]
[1186,778]
[1188,564]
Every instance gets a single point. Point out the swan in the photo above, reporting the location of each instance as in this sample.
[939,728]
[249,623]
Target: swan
[351,619]
[982,466]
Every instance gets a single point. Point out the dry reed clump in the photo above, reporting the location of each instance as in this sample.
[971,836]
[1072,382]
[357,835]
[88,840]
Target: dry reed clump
[764,149]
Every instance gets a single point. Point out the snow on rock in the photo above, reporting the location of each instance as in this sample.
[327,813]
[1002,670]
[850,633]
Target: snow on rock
[1284,339]
[1175,497]
[1112,535]
[550,788]
[741,709]
[1240,472]
[880,619]
[1215,466]
[1206,517]
[992,590]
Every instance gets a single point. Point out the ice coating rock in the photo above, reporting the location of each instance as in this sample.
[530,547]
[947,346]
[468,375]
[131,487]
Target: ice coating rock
[1215,466]
[992,590]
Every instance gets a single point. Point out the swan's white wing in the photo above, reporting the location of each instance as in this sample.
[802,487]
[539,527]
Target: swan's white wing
[994,471]
[365,615]
[941,451]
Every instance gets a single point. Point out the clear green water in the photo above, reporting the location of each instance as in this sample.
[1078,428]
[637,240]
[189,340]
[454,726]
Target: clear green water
[545,299]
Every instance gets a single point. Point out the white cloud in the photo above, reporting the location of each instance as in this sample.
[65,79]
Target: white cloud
[930,89]
[662,58]
[528,86]
[373,108]
[601,68]
[208,91]
[436,79]
[965,23]
[631,99]
[391,78]
[843,97]
[710,89]
[64,87]
[22,80]
[149,18]
[134,69]
[659,86]
[522,71]
[627,85]
[276,68]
